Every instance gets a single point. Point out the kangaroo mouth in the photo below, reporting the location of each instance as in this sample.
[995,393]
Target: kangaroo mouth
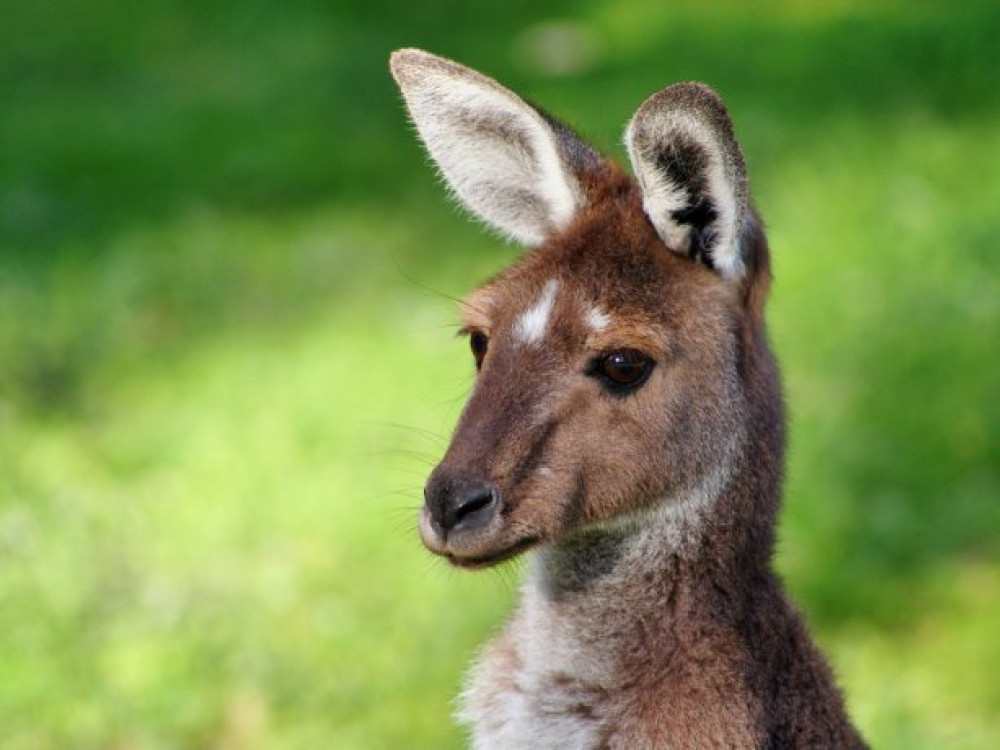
[474,562]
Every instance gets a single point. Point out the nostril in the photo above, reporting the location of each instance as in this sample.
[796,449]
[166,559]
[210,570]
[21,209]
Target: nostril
[482,499]
[474,507]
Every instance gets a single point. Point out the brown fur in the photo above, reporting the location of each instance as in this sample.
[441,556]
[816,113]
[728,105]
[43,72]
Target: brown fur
[717,656]
[653,617]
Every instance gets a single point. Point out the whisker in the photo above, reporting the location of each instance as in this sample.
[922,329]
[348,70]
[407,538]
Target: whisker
[436,292]
[428,459]
[420,431]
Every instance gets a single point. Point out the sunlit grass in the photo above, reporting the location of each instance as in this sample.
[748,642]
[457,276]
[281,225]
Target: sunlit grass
[228,365]
[232,534]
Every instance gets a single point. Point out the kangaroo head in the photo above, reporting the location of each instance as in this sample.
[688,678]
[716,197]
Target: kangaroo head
[612,357]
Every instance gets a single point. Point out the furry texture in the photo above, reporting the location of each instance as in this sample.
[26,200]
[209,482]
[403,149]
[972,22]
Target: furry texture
[498,154]
[651,617]
[692,173]
[530,327]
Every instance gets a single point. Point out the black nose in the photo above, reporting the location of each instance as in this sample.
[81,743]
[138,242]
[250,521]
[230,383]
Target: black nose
[460,504]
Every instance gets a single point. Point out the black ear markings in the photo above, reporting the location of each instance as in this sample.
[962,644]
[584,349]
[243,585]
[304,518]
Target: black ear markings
[700,217]
[683,162]
[686,163]
[692,174]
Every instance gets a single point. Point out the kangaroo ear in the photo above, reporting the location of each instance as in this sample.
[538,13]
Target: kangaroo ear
[692,174]
[507,162]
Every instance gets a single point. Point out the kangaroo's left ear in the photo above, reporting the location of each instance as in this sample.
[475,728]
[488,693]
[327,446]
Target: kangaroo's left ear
[692,174]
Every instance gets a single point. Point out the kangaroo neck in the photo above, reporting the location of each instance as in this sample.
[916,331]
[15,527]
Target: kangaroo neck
[672,563]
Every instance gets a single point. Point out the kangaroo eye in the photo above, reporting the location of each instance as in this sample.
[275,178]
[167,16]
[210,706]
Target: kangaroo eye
[478,342]
[625,368]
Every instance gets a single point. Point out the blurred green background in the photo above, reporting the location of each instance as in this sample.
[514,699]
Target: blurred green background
[227,363]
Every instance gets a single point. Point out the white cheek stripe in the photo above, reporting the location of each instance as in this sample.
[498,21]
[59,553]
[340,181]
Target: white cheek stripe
[597,320]
[530,327]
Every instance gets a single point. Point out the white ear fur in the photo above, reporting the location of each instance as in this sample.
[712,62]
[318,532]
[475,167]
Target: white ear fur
[692,174]
[502,158]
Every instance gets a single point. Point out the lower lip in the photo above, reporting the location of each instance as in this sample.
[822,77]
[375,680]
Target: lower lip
[473,563]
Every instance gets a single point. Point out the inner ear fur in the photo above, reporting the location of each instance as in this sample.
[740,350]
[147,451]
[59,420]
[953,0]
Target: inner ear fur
[692,174]
[509,163]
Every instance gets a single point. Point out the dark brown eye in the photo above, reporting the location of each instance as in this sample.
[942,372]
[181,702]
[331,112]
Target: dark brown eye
[478,343]
[624,369]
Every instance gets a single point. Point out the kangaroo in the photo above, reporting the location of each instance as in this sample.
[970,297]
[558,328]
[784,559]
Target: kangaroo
[625,426]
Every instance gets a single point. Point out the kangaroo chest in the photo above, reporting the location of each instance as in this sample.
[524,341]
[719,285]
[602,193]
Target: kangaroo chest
[569,677]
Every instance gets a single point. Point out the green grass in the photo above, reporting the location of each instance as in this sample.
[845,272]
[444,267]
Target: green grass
[228,359]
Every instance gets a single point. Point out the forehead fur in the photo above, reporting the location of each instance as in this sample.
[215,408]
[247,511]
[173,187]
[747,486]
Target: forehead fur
[610,259]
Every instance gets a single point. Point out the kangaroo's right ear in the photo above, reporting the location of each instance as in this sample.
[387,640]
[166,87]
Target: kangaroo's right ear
[510,164]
